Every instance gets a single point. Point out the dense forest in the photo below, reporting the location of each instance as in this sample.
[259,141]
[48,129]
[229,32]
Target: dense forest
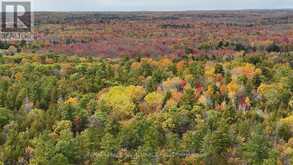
[170,88]
[192,110]
[152,34]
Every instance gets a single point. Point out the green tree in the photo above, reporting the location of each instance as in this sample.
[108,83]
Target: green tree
[5,116]
[258,147]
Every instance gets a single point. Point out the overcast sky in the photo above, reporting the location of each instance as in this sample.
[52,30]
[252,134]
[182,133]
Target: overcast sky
[157,5]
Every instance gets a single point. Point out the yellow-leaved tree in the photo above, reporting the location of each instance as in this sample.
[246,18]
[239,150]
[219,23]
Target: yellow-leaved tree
[271,94]
[122,99]
[154,101]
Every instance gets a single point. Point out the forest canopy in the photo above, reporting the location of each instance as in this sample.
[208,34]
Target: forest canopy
[82,110]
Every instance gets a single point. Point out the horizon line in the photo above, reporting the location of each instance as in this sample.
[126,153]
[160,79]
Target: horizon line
[199,10]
